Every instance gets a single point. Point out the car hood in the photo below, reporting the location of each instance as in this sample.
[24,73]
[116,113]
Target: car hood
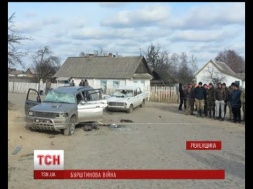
[53,107]
[118,99]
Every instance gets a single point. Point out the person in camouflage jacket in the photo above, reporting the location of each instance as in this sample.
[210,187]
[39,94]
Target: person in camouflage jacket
[189,96]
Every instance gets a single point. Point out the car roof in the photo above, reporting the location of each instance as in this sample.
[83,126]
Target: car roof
[128,87]
[71,89]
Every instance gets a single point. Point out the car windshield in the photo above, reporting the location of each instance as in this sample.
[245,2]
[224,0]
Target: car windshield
[123,93]
[59,97]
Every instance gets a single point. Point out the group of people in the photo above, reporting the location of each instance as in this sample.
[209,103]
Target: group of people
[82,83]
[212,101]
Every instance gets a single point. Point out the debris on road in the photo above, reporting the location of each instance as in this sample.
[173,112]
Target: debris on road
[126,120]
[17,149]
[113,126]
[89,127]
[26,155]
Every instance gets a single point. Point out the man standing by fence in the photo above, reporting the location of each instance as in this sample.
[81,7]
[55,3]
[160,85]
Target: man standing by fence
[48,86]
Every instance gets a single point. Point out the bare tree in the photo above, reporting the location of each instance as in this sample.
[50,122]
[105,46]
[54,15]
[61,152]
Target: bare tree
[232,59]
[44,63]
[185,71]
[14,39]
[179,67]
[152,55]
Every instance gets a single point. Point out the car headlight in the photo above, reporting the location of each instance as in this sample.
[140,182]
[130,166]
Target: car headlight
[125,104]
[30,113]
[62,115]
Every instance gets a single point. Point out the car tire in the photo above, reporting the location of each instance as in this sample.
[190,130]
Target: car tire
[130,109]
[143,103]
[71,127]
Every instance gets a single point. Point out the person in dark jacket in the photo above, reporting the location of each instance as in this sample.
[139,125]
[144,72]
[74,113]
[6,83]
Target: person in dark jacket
[81,83]
[219,97]
[181,96]
[236,103]
[200,97]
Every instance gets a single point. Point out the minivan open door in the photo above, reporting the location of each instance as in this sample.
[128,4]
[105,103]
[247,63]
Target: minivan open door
[32,99]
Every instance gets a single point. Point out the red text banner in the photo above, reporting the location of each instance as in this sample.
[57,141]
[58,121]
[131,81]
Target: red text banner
[203,145]
[129,174]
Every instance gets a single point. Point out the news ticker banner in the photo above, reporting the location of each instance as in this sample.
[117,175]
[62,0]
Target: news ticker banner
[49,164]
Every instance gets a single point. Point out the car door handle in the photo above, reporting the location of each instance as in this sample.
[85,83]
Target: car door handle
[97,106]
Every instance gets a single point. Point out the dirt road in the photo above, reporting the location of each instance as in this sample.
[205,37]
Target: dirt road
[155,140]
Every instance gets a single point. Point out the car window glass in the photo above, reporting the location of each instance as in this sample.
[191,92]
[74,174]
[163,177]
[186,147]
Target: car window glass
[59,97]
[32,95]
[94,95]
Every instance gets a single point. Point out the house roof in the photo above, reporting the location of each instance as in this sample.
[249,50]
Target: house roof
[32,70]
[101,67]
[222,67]
[164,76]
[13,71]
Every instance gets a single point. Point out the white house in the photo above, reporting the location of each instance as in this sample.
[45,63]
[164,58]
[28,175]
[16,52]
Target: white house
[106,72]
[216,71]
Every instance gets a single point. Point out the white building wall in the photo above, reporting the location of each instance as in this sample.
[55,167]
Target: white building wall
[205,76]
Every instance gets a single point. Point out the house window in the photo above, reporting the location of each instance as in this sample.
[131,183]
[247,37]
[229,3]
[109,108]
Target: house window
[115,84]
[103,85]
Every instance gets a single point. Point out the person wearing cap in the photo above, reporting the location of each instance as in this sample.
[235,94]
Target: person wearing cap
[200,97]
[236,103]
[210,101]
[189,99]
[219,98]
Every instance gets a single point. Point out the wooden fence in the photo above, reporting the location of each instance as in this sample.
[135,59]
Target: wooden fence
[155,94]
[22,87]
[164,94]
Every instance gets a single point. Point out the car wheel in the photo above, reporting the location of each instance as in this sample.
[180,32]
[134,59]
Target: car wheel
[143,103]
[130,109]
[71,127]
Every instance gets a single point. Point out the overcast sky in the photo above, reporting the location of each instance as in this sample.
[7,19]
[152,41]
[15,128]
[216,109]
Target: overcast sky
[199,29]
